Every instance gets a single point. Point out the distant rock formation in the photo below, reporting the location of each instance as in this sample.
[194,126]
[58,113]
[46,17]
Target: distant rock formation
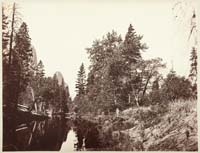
[58,75]
[34,57]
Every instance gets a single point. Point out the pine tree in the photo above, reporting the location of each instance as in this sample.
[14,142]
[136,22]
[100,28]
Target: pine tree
[64,96]
[131,54]
[40,70]
[13,21]
[5,41]
[8,37]
[23,50]
[5,32]
[132,46]
[40,73]
[81,81]
[176,87]
[38,78]
[20,69]
[193,70]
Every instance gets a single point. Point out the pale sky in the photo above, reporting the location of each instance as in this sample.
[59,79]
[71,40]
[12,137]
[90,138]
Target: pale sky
[61,30]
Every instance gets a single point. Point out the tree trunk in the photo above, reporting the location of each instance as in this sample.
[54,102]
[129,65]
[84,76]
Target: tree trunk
[137,103]
[11,39]
[145,87]
[129,98]
[11,100]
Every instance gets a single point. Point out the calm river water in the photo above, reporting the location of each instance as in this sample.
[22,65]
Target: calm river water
[56,134]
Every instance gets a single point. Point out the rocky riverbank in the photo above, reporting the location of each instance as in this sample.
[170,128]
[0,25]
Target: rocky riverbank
[171,127]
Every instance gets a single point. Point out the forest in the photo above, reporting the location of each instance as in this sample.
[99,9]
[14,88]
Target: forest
[133,105]
[24,80]
[120,78]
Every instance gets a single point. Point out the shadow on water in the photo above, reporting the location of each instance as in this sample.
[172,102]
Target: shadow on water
[87,135]
[35,135]
[52,135]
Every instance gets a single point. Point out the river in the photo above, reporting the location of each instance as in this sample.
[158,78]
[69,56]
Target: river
[56,134]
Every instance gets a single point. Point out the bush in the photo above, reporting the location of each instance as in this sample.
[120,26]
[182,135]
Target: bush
[176,87]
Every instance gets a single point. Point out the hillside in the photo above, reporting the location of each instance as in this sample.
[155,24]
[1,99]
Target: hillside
[155,128]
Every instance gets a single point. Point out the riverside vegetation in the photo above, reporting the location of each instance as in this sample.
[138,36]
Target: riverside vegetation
[137,107]
[131,103]
[173,127]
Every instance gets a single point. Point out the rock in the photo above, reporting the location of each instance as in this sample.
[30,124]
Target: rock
[115,135]
[34,57]
[59,77]
[27,97]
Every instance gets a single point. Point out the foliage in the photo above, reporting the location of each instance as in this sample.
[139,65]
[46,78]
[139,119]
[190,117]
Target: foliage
[23,53]
[5,32]
[38,78]
[132,59]
[118,75]
[5,41]
[132,46]
[55,97]
[102,79]
[176,87]
[18,72]
[187,15]
[40,70]
[193,71]
[81,81]
[144,74]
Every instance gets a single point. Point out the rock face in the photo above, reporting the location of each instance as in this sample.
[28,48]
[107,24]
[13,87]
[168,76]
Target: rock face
[27,97]
[58,75]
[34,57]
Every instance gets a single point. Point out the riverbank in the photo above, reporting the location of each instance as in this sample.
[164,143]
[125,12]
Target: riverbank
[171,127]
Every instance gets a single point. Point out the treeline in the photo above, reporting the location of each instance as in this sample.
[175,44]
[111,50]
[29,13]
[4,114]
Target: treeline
[21,70]
[120,78]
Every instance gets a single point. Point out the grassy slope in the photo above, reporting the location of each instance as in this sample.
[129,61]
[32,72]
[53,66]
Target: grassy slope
[158,128]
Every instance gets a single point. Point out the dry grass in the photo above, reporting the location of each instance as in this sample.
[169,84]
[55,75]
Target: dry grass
[159,128]
[178,128]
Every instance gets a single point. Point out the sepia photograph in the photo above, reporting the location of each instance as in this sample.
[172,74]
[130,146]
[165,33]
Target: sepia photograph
[100,75]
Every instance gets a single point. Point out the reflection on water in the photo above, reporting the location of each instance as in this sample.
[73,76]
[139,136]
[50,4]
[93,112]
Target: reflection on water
[69,144]
[56,134]
[35,135]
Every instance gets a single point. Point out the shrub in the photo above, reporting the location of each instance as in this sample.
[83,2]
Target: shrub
[176,87]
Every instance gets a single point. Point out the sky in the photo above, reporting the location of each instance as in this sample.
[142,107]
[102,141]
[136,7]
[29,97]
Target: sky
[61,30]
